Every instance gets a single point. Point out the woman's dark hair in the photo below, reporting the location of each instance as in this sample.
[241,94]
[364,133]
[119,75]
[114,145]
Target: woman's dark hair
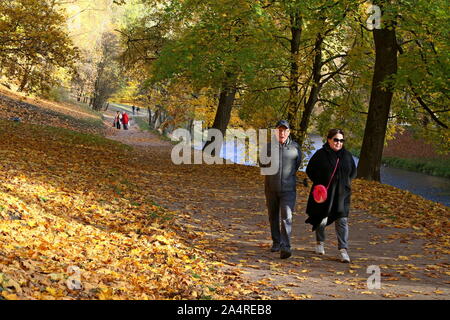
[334,132]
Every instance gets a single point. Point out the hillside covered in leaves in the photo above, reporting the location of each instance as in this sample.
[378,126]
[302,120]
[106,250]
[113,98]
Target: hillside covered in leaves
[74,199]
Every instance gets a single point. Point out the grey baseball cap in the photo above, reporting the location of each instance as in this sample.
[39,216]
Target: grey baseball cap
[282,123]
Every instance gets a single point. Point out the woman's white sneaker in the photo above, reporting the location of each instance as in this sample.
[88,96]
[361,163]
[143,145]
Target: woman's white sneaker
[344,256]
[320,248]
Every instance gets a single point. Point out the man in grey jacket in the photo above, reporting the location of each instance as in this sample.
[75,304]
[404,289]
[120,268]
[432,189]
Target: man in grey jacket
[280,188]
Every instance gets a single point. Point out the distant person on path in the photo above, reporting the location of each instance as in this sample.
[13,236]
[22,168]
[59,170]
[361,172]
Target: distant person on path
[133,108]
[337,204]
[280,190]
[125,120]
[138,109]
[117,120]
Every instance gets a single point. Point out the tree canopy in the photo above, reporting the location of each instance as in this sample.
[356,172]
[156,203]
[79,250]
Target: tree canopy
[312,62]
[34,43]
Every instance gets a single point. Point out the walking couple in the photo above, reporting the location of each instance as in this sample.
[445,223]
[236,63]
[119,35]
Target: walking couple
[121,119]
[332,166]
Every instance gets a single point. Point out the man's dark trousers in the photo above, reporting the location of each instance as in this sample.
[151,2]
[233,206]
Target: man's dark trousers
[280,207]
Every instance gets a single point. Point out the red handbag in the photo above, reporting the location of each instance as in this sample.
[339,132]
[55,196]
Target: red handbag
[320,193]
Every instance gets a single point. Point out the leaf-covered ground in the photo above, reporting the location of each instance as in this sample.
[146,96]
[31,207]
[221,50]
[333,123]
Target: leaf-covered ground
[139,227]
[403,234]
[70,199]
[71,116]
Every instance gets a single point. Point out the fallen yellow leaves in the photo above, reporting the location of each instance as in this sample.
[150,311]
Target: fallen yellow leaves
[9,296]
[304,270]
[396,295]
[74,226]
[402,209]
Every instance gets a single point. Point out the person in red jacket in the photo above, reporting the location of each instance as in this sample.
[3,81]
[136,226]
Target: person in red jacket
[125,120]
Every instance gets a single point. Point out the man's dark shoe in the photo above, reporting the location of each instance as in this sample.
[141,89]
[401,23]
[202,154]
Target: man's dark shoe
[285,253]
[275,248]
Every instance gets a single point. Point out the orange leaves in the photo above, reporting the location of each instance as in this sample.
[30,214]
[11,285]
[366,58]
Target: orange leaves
[9,296]
[64,115]
[84,205]
[402,209]
[105,294]
[8,283]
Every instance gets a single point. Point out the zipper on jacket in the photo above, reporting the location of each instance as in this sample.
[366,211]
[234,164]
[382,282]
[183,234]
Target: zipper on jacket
[281,167]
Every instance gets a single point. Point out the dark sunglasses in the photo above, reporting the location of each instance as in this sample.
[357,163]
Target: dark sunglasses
[338,140]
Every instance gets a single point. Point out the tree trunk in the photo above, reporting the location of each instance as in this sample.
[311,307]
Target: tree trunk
[293,103]
[149,117]
[190,126]
[97,103]
[24,81]
[223,113]
[157,119]
[380,103]
[314,93]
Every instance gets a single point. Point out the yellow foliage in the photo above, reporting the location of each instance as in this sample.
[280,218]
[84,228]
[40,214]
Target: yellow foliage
[70,215]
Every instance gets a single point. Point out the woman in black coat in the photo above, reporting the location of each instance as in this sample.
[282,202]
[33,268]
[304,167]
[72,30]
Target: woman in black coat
[336,207]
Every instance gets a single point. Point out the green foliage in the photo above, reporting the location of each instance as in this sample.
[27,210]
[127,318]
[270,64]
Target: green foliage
[108,76]
[424,64]
[223,37]
[200,42]
[423,68]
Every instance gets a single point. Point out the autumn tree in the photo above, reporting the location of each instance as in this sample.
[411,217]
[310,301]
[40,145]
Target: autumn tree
[220,48]
[34,43]
[82,80]
[107,70]
[213,44]
[420,78]
[309,61]
[417,86]
[292,58]
[385,69]
[311,36]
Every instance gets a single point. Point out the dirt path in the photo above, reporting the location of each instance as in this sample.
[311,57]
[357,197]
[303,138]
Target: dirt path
[226,204]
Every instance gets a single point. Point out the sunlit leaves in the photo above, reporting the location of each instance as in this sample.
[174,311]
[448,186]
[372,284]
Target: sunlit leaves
[33,43]
[76,222]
